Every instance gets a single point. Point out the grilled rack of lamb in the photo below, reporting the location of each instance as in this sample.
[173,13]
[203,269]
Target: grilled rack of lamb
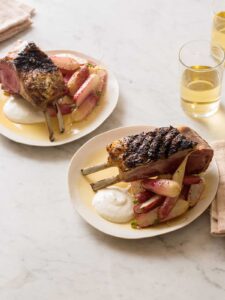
[29,72]
[153,153]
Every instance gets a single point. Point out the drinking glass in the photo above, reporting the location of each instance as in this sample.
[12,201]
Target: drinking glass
[201,77]
[218,28]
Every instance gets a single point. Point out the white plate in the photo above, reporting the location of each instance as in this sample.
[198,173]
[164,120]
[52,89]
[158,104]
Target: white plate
[81,192]
[96,118]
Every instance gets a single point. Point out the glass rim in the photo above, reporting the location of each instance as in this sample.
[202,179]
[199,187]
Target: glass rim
[214,11]
[209,43]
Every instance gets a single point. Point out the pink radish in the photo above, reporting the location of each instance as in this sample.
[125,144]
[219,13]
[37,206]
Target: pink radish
[86,88]
[165,187]
[147,219]
[151,218]
[65,64]
[102,82]
[85,108]
[179,209]
[195,193]
[77,79]
[143,196]
[166,207]
[148,205]
[188,180]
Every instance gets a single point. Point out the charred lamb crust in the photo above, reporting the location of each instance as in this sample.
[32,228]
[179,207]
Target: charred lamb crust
[41,81]
[150,146]
[32,58]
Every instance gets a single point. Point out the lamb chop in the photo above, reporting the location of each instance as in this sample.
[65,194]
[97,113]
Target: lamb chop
[29,72]
[154,153]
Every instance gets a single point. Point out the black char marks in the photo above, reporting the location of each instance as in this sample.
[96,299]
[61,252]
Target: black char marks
[157,144]
[32,58]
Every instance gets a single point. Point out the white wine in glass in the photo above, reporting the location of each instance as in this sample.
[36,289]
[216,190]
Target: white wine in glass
[200,90]
[218,28]
[201,78]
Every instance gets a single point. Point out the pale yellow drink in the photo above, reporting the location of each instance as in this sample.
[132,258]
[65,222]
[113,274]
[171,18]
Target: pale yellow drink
[218,31]
[200,90]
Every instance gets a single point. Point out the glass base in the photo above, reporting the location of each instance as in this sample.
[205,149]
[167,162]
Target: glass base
[200,110]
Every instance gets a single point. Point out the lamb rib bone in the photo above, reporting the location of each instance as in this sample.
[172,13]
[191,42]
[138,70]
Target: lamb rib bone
[49,126]
[60,118]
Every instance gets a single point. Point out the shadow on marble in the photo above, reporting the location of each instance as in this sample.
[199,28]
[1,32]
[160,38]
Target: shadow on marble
[191,242]
[215,124]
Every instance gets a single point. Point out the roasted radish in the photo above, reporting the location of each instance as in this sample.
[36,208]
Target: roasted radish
[184,192]
[143,196]
[148,205]
[178,176]
[165,187]
[166,207]
[67,77]
[195,193]
[147,219]
[65,104]
[77,79]
[85,108]
[188,180]
[179,209]
[150,218]
[65,64]
[86,88]
[102,79]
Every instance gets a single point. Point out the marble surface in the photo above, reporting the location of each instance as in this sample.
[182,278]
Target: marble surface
[46,250]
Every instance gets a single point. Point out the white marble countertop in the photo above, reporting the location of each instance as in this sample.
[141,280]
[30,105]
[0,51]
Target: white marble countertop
[46,250]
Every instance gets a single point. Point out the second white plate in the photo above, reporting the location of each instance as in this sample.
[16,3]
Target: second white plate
[93,152]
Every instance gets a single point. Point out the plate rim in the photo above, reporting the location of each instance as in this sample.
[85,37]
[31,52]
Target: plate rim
[16,137]
[170,229]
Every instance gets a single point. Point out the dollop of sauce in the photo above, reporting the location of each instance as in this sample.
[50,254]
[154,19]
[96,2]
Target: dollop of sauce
[114,204]
[20,111]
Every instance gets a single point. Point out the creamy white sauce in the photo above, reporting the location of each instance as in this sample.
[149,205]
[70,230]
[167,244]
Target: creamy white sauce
[114,204]
[20,111]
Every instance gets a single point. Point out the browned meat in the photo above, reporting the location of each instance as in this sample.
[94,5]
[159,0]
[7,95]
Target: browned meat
[31,73]
[159,151]
[147,147]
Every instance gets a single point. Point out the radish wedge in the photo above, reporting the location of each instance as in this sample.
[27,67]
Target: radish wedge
[184,192]
[188,180]
[195,193]
[77,79]
[151,218]
[86,88]
[102,80]
[166,207]
[179,209]
[178,176]
[85,108]
[65,63]
[164,187]
[143,196]
[147,219]
[148,205]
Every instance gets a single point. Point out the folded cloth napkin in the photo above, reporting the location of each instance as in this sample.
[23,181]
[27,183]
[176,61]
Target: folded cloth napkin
[14,17]
[217,215]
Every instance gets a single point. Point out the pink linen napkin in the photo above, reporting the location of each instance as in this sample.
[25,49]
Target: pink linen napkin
[14,17]
[217,216]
